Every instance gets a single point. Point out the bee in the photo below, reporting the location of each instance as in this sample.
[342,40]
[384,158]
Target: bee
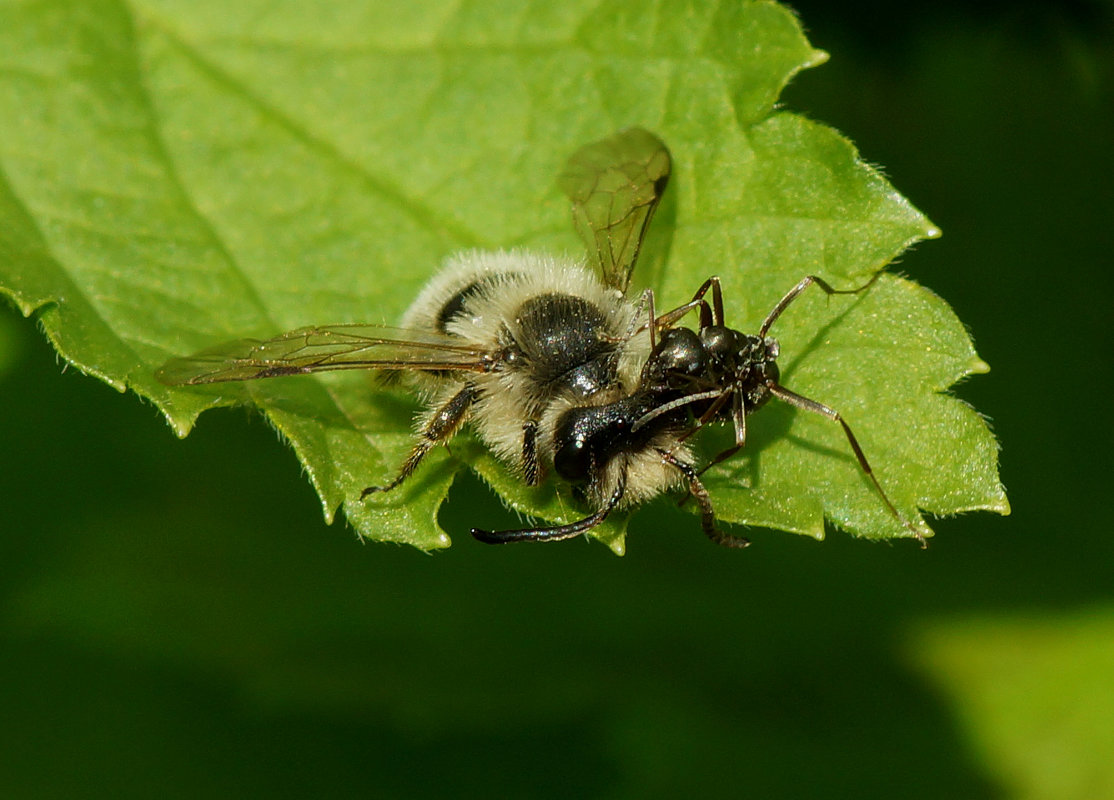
[554,365]
[496,337]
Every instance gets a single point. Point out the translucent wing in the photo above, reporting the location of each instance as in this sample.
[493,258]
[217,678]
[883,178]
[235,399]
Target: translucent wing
[615,185]
[320,349]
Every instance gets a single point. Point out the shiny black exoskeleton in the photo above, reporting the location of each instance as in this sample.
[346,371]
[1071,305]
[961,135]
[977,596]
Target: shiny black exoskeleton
[691,378]
[587,437]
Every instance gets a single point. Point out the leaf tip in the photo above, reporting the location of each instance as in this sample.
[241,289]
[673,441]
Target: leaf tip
[1000,504]
[976,366]
[181,428]
[922,532]
[814,530]
[617,544]
[816,58]
[180,424]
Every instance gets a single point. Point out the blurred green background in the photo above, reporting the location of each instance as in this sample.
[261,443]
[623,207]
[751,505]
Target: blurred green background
[176,619]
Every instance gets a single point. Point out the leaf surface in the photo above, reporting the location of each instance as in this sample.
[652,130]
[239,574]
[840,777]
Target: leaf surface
[174,175]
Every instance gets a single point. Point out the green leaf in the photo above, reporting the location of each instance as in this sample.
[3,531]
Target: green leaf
[173,175]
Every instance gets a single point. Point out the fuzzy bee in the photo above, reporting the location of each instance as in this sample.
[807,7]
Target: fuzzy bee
[555,367]
[496,337]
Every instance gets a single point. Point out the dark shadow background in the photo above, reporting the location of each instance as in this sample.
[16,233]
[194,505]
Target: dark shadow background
[176,620]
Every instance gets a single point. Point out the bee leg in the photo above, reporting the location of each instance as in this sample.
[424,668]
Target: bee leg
[700,494]
[558,532]
[531,471]
[440,427]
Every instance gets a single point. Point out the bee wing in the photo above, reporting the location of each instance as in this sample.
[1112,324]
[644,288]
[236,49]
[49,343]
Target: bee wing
[321,349]
[615,185]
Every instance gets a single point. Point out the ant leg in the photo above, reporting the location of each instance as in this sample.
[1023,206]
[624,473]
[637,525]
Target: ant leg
[673,316]
[717,301]
[799,401]
[655,323]
[796,291]
[739,419]
[707,512]
[645,300]
[440,427]
[708,315]
[558,532]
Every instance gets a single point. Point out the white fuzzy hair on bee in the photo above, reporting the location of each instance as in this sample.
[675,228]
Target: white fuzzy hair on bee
[562,334]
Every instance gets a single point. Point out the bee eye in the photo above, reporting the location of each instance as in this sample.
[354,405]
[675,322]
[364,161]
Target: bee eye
[575,439]
[572,461]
